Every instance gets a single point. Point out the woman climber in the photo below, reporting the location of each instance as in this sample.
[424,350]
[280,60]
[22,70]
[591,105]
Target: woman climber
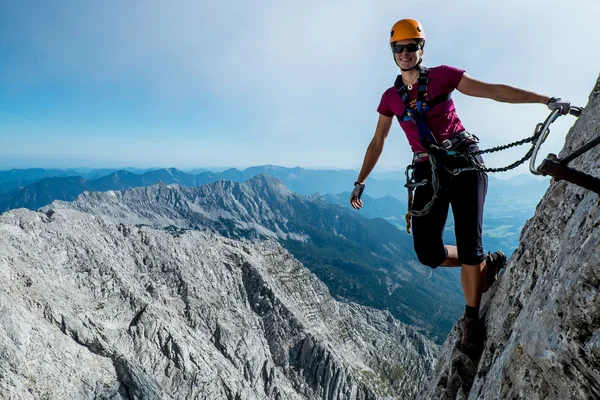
[445,170]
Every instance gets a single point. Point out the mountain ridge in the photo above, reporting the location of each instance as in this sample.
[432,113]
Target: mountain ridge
[364,260]
[160,315]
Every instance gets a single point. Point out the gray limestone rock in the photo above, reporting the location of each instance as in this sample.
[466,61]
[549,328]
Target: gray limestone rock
[260,207]
[90,309]
[543,316]
[263,207]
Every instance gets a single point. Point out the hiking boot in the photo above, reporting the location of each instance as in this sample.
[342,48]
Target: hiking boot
[471,341]
[494,262]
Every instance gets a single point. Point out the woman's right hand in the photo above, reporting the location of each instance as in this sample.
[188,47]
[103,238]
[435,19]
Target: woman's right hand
[355,196]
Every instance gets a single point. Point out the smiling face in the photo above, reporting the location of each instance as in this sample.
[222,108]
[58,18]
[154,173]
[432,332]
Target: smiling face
[406,59]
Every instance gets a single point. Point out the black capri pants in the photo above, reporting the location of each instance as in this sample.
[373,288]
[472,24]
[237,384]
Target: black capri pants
[465,193]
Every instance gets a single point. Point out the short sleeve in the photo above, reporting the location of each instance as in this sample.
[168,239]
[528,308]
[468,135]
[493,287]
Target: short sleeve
[384,106]
[452,76]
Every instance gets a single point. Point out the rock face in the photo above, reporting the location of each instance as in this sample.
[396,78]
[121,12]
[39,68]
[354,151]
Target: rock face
[376,266]
[90,309]
[543,317]
[262,207]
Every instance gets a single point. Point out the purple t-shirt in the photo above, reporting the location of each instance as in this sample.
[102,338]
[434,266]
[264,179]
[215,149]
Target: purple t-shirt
[441,119]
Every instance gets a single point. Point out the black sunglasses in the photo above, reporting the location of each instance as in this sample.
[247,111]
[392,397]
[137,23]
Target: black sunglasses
[411,47]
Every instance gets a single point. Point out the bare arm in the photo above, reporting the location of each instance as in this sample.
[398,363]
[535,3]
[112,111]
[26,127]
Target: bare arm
[373,152]
[503,93]
[375,147]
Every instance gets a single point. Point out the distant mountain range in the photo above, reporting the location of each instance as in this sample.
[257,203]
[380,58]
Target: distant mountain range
[508,206]
[19,178]
[43,185]
[299,180]
[364,260]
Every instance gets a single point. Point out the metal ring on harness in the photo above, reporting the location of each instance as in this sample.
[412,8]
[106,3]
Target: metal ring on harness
[411,185]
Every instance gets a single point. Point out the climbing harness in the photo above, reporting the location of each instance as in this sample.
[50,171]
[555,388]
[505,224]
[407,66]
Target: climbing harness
[552,165]
[437,152]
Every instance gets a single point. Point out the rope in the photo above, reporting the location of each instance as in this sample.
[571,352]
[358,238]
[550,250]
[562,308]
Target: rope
[539,130]
[527,156]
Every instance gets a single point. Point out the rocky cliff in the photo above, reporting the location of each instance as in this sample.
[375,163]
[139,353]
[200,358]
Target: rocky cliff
[543,317]
[90,309]
[368,261]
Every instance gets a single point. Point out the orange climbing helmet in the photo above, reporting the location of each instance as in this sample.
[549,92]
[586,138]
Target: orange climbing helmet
[407,29]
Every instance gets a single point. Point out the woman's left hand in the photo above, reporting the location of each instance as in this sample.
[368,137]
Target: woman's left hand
[556,103]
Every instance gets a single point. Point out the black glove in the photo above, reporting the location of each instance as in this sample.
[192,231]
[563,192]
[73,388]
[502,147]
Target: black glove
[358,190]
[555,103]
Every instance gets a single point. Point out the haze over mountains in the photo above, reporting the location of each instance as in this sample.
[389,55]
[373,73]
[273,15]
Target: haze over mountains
[298,180]
[19,178]
[509,203]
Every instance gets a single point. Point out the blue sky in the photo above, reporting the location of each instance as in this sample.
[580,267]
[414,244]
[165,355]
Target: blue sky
[234,84]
